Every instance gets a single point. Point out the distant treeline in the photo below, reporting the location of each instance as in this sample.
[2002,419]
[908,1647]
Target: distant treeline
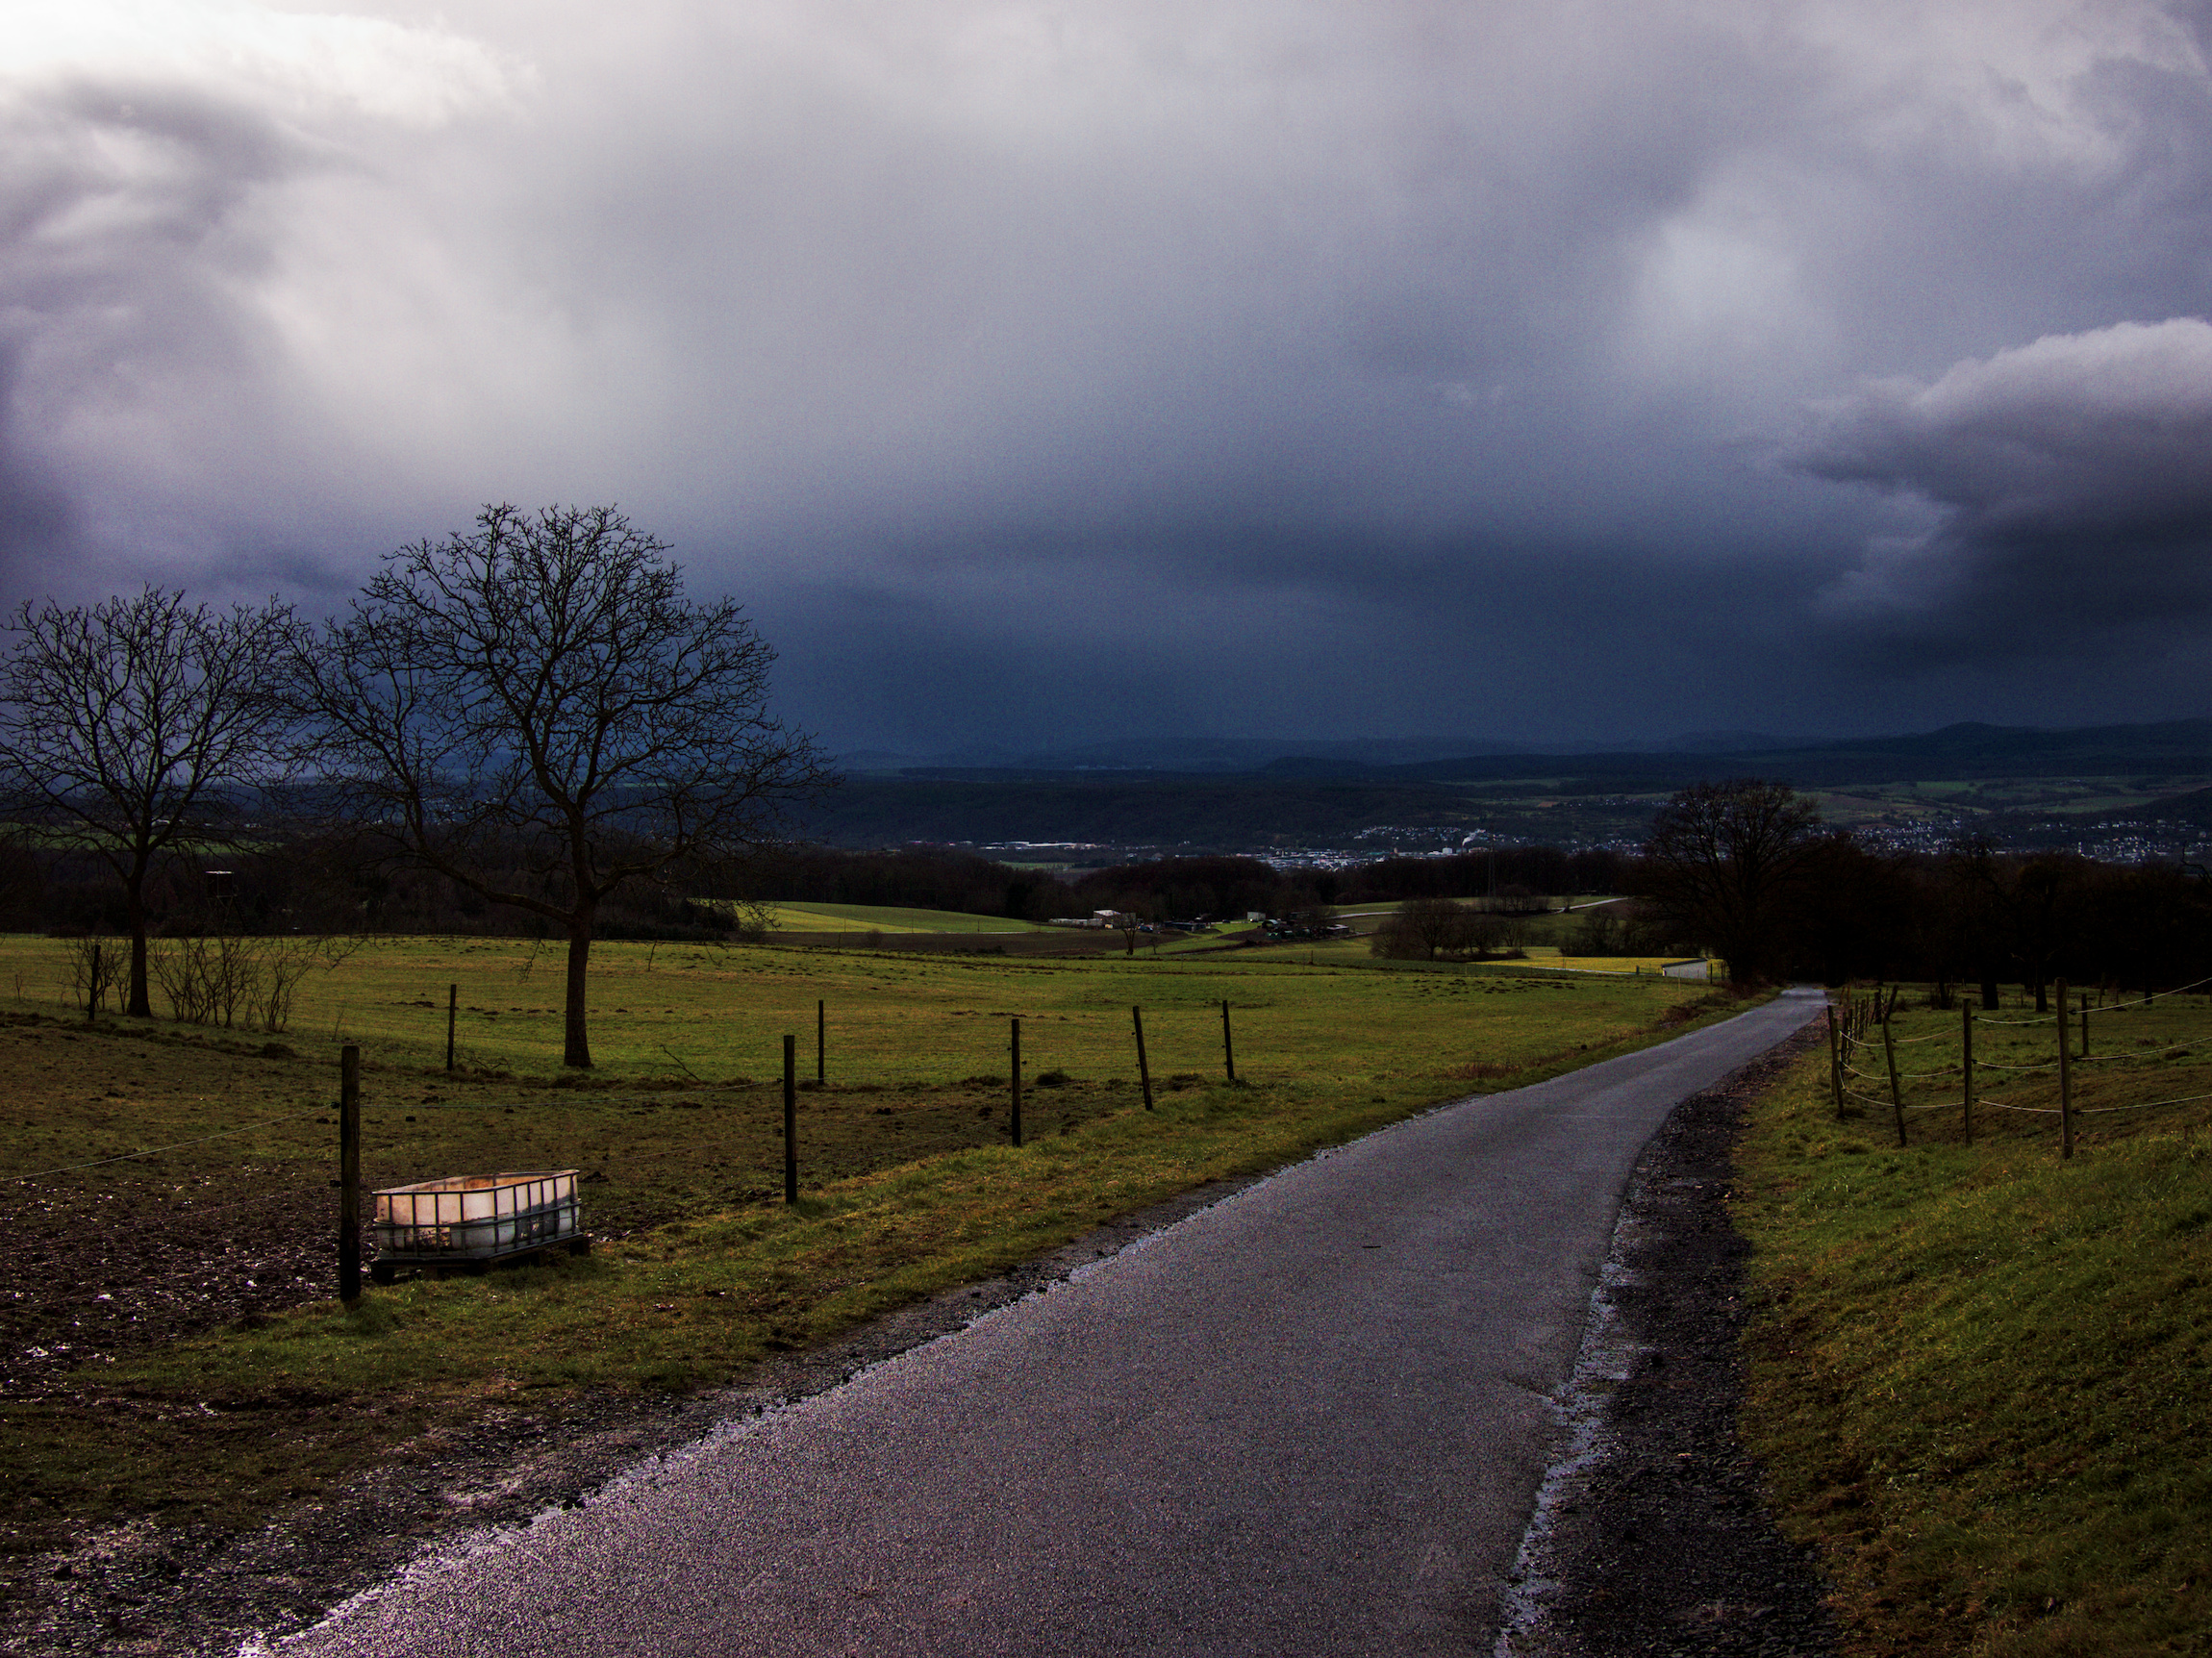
[1974,918]
[1981,918]
[1172,889]
[309,885]
[318,885]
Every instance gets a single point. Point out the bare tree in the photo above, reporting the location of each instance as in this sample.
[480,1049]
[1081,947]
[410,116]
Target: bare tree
[130,724]
[1422,929]
[1722,858]
[534,711]
[1135,914]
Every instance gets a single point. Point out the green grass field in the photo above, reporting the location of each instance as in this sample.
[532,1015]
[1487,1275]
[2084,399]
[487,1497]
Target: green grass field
[1979,1373]
[909,1182]
[688,1012]
[887,918]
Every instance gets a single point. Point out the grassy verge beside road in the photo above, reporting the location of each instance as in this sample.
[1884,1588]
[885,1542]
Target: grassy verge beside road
[911,1186]
[1979,1373]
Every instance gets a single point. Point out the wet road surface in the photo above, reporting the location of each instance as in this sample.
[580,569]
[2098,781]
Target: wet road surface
[1310,1419]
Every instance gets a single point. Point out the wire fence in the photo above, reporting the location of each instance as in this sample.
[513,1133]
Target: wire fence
[161,1150]
[148,1236]
[165,1213]
[1865,1073]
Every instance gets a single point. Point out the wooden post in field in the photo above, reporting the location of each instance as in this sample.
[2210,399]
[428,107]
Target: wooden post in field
[452,1019]
[1229,1041]
[1017,1080]
[1144,1070]
[92,990]
[2065,1079]
[821,1043]
[1835,1063]
[1965,1066]
[1896,1094]
[790,1120]
[2084,1025]
[350,1175]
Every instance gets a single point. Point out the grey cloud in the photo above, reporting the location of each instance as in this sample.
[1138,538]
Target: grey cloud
[36,521]
[1118,364]
[2063,487]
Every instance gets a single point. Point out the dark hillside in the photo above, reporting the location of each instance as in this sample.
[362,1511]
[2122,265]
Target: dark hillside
[1240,812]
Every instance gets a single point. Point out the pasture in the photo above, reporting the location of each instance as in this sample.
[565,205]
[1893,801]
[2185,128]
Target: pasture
[694,1012]
[811,917]
[173,1347]
[1979,1370]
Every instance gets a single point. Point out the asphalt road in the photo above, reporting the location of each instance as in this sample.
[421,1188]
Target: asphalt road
[1310,1419]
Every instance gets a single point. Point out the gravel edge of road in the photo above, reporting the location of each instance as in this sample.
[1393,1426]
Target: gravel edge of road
[1650,1537]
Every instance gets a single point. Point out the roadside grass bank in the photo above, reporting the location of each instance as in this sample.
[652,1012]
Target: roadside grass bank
[1979,1374]
[910,1188]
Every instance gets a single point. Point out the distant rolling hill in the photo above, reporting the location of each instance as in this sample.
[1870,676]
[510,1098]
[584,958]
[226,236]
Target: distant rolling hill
[1956,751]
[1327,797]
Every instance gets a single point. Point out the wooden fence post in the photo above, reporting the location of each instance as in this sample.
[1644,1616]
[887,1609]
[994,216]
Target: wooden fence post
[452,1019]
[1835,1063]
[92,990]
[821,1043]
[1144,1071]
[1966,1065]
[2084,1025]
[1016,1079]
[1896,1096]
[350,1175]
[790,1120]
[2065,1079]
[1229,1041]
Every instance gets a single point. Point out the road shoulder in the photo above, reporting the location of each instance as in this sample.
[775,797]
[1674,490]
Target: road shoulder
[1651,1534]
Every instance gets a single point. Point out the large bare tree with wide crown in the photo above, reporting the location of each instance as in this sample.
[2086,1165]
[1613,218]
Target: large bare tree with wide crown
[534,711]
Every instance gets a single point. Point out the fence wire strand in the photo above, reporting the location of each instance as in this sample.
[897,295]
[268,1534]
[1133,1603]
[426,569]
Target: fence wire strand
[2146,1001]
[158,1150]
[1902,1075]
[2143,1105]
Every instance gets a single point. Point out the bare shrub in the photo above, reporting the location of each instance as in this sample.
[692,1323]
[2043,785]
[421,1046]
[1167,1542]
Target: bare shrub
[1422,929]
[284,963]
[240,980]
[96,971]
[1433,929]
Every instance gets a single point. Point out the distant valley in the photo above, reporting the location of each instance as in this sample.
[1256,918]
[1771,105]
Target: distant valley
[2125,791]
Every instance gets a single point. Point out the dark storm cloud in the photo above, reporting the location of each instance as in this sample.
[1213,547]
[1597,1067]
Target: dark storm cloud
[2064,487]
[35,517]
[1133,365]
[115,229]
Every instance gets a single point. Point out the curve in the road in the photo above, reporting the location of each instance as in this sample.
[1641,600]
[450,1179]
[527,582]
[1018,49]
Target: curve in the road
[1308,1420]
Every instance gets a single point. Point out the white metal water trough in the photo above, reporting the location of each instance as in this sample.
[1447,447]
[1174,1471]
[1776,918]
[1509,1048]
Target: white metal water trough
[472,1220]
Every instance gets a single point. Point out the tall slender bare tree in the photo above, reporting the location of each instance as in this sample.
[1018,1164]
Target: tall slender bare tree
[132,725]
[534,711]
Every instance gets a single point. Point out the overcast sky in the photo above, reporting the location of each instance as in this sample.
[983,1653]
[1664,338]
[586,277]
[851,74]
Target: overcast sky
[1040,372]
